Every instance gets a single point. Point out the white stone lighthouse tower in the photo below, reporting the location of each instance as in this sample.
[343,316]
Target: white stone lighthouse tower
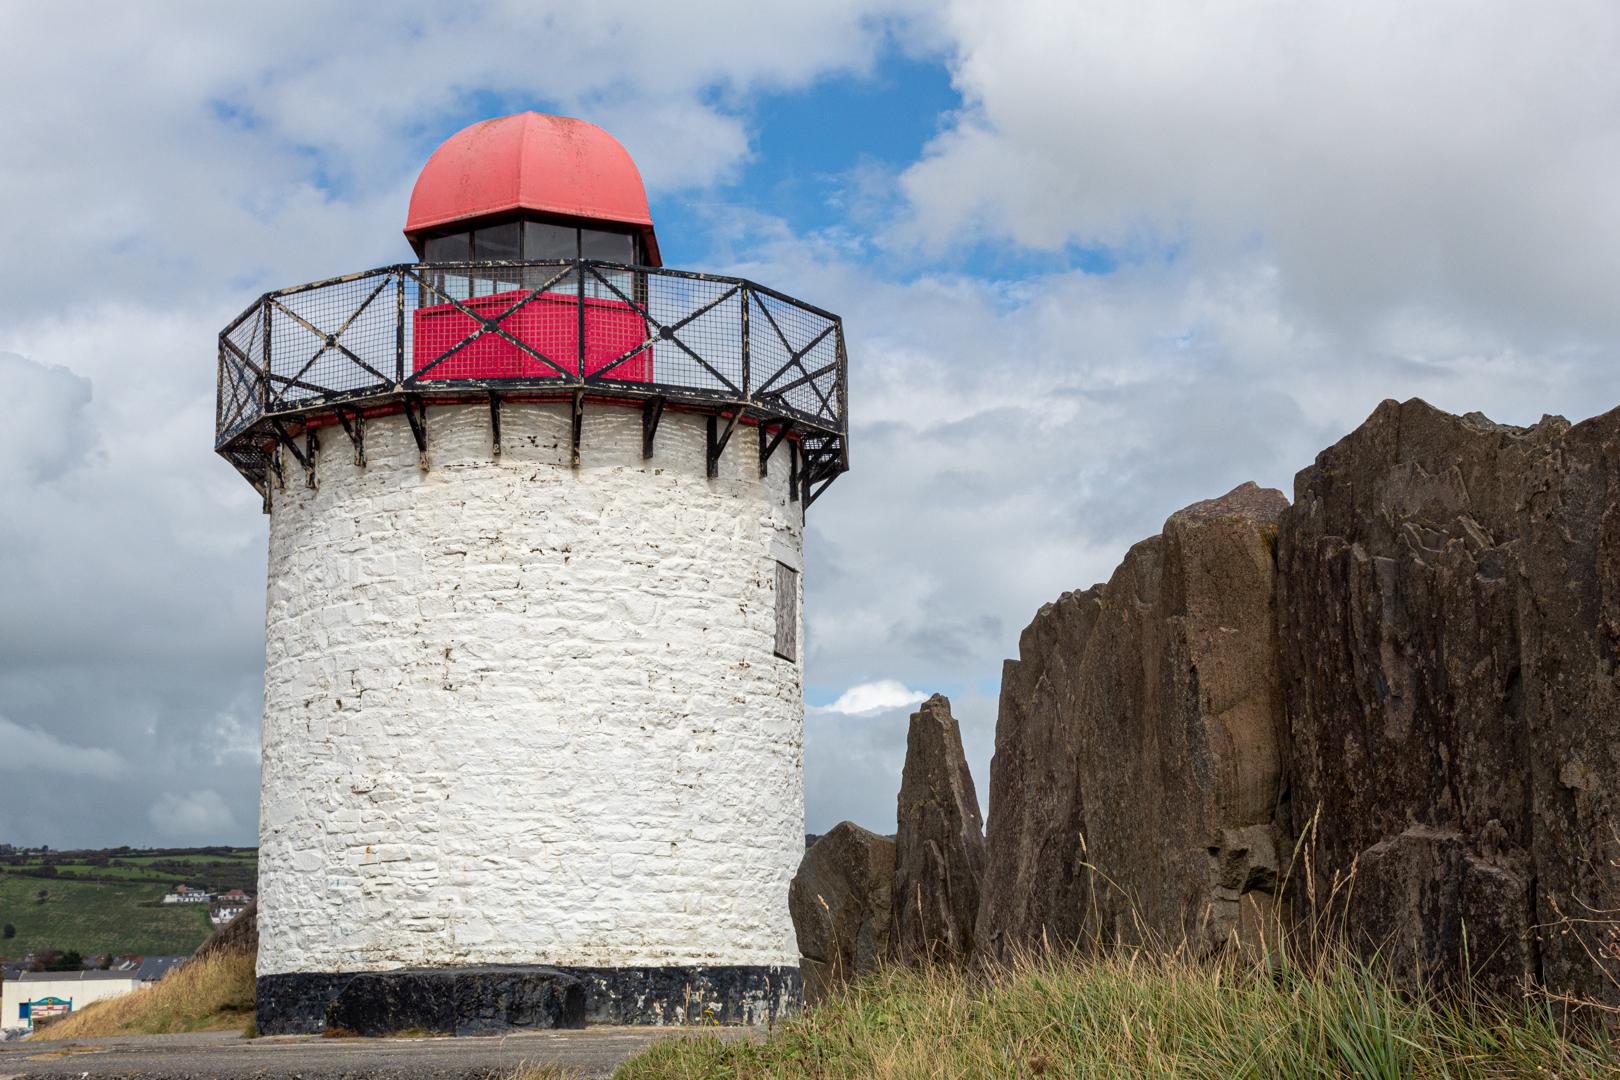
[533,683]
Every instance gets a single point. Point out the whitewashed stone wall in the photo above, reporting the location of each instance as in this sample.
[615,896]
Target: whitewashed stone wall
[517,712]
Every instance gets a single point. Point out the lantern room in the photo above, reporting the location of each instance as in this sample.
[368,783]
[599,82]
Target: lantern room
[531,188]
[539,278]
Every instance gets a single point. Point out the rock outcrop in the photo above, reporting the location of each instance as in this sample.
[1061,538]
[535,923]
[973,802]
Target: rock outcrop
[1138,782]
[939,845]
[1035,886]
[1450,626]
[841,905]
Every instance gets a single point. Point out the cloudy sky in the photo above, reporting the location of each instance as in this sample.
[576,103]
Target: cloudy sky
[1096,261]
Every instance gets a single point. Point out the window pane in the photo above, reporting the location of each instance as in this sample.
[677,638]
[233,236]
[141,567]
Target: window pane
[609,247]
[453,248]
[543,243]
[497,242]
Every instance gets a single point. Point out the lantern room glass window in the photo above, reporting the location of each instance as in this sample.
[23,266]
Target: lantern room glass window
[533,241]
[528,240]
[503,242]
[543,242]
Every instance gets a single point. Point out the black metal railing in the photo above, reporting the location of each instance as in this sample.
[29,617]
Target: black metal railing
[416,335]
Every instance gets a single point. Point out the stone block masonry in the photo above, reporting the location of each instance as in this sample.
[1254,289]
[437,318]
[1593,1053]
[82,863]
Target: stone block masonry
[523,713]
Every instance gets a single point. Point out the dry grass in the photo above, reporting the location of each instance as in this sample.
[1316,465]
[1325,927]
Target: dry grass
[214,993]
[1136,1015]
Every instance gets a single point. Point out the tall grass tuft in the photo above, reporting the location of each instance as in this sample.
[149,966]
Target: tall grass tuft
[213,993]
[1134,1014]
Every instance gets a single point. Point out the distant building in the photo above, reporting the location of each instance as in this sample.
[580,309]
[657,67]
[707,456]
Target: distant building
[154,968]
[224,913]
[39,995]
[184,895]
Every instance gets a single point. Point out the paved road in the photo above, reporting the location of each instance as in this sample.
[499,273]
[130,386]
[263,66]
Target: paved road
[224,1055]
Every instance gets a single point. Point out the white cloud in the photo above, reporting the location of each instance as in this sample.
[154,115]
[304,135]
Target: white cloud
[1456,155]
[883,694]
[29,750]
[194,815]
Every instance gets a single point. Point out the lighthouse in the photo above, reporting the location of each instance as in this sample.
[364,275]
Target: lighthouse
[533,707]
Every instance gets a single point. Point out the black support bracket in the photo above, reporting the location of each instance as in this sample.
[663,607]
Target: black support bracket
[356,433]
[413,405]
[283,439]
[652,411]
[717,443]
[768,447]
[579,423]
[312,446]
[495,423]
[793,472]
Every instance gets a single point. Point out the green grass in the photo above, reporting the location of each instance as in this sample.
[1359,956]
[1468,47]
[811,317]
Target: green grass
[97,918]
[1132,1015]
[220,872]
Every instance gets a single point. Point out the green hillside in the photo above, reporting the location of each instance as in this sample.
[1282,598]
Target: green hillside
[97,918]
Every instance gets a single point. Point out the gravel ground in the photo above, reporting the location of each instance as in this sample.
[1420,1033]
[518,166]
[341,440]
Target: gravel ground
[224,1055]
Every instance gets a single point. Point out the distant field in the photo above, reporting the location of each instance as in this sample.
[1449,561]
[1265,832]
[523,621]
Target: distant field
[97,918]
[211,870]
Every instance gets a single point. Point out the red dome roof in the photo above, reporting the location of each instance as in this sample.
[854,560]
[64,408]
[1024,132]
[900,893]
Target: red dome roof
[530,161]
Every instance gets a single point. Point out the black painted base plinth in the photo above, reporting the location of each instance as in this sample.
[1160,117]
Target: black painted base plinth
[492,999]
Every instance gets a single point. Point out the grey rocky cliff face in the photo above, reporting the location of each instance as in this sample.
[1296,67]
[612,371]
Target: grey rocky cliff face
[1450,624]
[1035,888]
[1138,775]
[840,903]
[939,846]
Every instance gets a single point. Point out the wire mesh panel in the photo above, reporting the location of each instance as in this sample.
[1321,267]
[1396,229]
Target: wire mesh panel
[333,339]
[695,324]
[436,330]
[796,352]
[240,401]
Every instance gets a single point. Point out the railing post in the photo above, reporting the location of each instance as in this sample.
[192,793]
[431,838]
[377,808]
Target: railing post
[747,384]
[264,308]
[399,328]
[579,353]
[219,391]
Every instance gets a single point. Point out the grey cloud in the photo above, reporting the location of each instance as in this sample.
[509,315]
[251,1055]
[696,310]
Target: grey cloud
[196,816]
[47,431]
[34,751]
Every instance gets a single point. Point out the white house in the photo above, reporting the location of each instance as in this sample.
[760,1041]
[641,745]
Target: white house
[183,895]
[225,912]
